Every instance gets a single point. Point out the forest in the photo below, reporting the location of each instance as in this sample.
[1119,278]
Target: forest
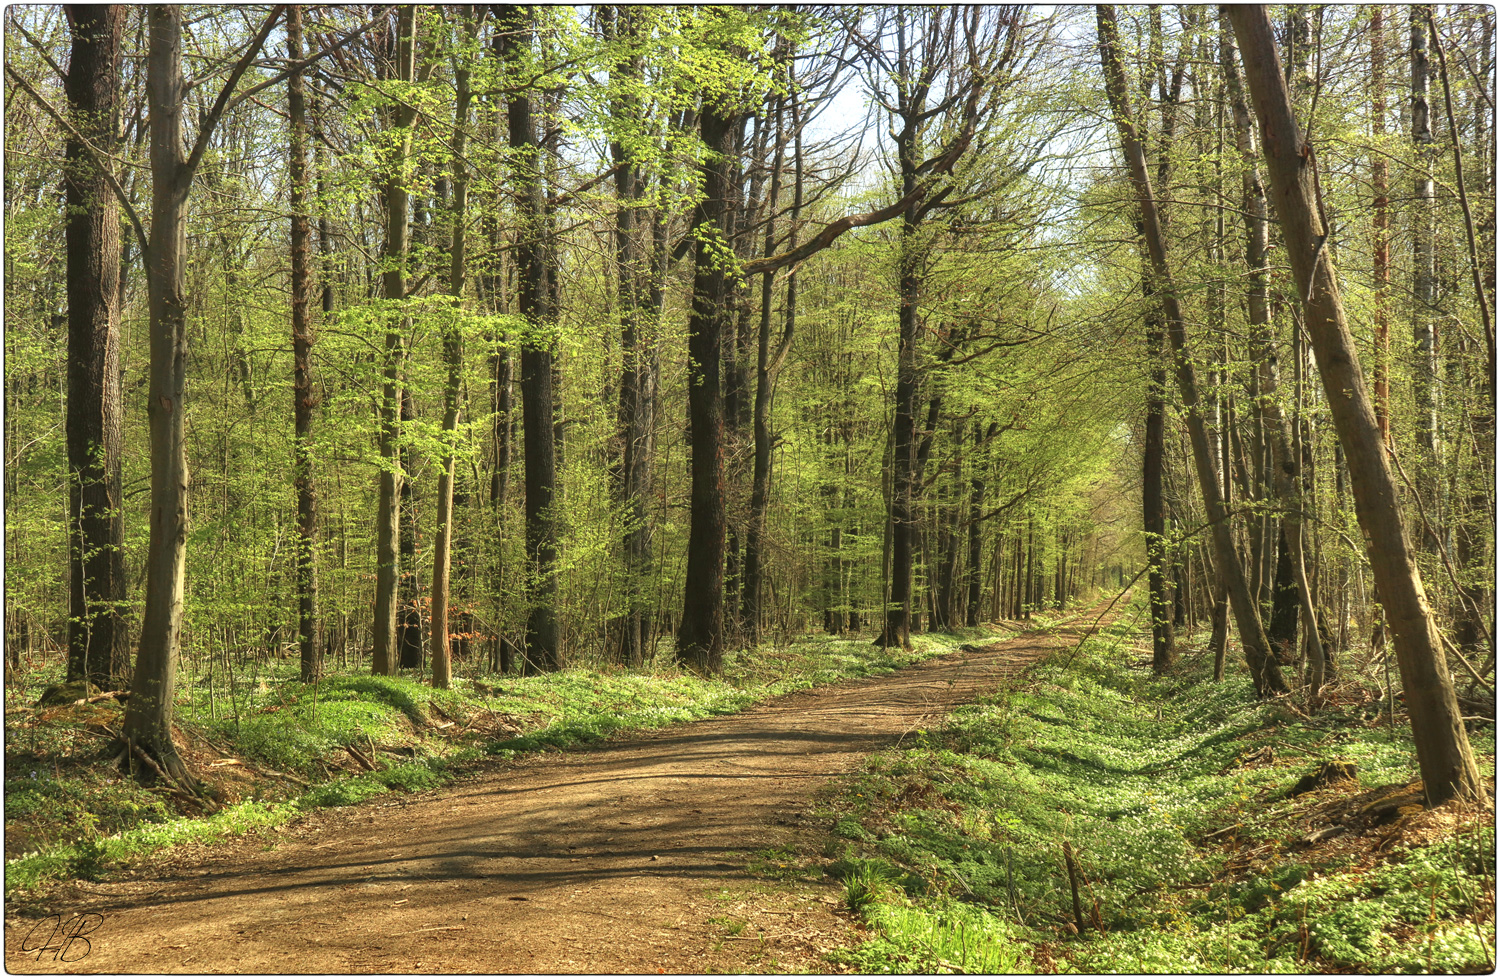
[395,392]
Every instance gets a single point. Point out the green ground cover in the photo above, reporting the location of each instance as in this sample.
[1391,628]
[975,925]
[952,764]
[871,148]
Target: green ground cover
[268,746]
[1192,853]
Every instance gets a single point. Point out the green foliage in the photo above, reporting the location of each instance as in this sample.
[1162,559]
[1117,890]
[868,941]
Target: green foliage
[1134,772]
[936,938]
[89,857]
[88,819]
[83,804]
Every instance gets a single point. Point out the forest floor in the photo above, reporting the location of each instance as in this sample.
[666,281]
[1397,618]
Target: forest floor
[657,852]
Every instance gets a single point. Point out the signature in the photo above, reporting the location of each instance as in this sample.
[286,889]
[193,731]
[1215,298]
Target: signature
[64,938]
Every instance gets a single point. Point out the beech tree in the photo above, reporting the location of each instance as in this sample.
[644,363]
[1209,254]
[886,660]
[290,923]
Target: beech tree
[97,631]
[148,716]
[1447,762]
[402,69]
[310,648]
[1263,666]
[534,303]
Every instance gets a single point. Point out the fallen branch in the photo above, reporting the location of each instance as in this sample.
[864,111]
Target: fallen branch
[364,762]
[1067,849]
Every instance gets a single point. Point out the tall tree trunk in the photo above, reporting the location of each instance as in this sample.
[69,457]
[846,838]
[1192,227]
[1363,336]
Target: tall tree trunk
[1263,667]
[148,715]
[309,644]
[393,281]
[501,404]
[700,638]
[638,353]
[978,465]
[441,651]
[1424,370]
[1443,752]
[1381,225]
[98,636]
[1165,611]
[897,628]
[767,368]
[1154,513]
[1291,593]
[537,408]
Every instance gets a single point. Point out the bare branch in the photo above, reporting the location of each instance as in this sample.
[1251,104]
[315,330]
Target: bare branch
[100,159]
[211,121]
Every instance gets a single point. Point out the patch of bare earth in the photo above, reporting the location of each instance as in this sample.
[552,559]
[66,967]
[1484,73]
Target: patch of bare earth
[635,856]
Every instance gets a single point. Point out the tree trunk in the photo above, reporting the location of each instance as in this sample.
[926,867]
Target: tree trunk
[537,408]
[309,643]
[1424,369]
[98,635]
[148,715]
[767,367]
[388,508]
[638,355]
[1289,591]
[897,629]
[441,651]
[700,638]
[1381,225]
[1263,667]
[976,530]
[1154,514]
[409,637]
[1443,752]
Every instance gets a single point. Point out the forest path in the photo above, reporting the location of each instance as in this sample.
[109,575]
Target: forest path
[612,859]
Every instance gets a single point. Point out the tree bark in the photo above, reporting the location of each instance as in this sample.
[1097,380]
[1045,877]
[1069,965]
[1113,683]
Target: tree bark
[1154,513]
[98,634]
[1424,370]
[393,281]
[537,408]
[308,641]
[768,363]
[1443,752]
[148,715]
[639,358]
[441,650]
[1381,225]
[410,639]
[700,638]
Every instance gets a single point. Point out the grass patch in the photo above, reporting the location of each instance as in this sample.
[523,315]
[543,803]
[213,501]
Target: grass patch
[1193,854]
[89,859]
[269,746]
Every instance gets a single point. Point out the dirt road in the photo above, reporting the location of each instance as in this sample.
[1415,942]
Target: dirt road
[626,857]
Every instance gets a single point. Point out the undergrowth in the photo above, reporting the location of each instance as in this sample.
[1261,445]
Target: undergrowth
[1192,854]
[268,746]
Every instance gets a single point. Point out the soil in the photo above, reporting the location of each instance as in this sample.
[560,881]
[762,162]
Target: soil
[651,853]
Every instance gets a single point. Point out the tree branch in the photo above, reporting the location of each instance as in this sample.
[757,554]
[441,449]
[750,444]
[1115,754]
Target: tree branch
[307,62]
[211,121]
[99,157]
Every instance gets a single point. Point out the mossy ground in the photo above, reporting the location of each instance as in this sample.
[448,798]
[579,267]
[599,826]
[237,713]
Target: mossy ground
[1193,855]
[267,746]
